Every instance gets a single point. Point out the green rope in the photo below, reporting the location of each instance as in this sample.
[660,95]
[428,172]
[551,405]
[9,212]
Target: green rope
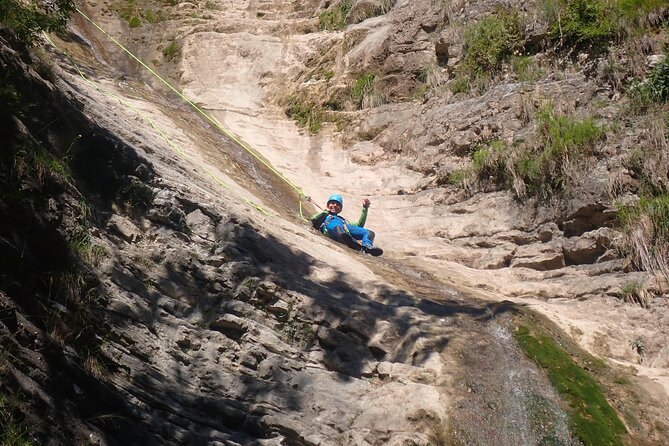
[196,108]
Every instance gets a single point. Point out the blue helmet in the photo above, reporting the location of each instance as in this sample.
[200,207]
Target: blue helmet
[337,198]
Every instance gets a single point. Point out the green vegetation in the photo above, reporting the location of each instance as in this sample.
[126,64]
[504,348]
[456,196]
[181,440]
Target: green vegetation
[594,24]
[133,11]
[308,115]
[153,17]
[80,243]
[593,420]
[12,431]
[646,225]
[654,89]
[134,22]
[490,42]
[136,194]
[364,92]
[540,169]
[460,85]
[334,19]
[579,23]
[373,9]
[171,50]
[634,292]
[36,168]
[525,69]
[24,19]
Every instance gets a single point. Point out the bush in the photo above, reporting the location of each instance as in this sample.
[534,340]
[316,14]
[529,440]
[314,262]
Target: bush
[134,22]
[581,23]
[491,41]
[489,163]
[460,85]
[25,19]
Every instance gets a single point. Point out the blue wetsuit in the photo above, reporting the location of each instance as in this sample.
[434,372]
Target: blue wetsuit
[343,231]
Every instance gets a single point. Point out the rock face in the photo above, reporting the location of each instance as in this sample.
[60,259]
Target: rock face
[161,292]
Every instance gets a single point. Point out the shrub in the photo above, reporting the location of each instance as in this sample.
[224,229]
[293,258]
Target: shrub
[634,292]
[334,19]
[373,9]
[134,22]
[24,19]
[136,194]
[580,23]
[460,85]
[491,41]
[565,136]
[489,162]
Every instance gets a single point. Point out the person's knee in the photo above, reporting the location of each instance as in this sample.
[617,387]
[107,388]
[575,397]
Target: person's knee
[370,235]
[336,233]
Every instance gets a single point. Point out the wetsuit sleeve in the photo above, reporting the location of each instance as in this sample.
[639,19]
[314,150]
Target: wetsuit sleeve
[362,219]
[317,216]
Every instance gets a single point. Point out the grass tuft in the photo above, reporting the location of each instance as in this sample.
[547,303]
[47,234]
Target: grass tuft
[364,92]
[334,19]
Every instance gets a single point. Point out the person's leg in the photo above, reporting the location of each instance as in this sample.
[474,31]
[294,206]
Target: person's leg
[337,232]
[364,235]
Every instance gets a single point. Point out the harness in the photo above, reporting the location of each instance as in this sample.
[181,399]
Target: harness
[328,219]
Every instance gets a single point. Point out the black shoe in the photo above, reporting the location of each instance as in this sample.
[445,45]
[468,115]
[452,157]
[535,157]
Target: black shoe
[372,251]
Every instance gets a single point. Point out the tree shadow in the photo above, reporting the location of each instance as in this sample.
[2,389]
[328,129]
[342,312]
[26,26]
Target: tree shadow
[229,341]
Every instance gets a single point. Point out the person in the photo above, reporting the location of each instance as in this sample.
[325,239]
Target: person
[353,235]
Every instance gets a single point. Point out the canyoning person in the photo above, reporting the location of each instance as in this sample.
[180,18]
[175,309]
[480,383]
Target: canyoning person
[353,235]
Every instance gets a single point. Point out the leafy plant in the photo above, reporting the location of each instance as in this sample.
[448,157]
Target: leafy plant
[491,41]
[334,19]
[639,347]
[580,23]
[24,19]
